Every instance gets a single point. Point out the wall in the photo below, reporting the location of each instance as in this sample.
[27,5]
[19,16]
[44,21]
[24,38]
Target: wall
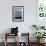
[6,15]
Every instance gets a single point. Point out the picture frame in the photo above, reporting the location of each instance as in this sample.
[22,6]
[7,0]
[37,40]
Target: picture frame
[40,12]
[18,13]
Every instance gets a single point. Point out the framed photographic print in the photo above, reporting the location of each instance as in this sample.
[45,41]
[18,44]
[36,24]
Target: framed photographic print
[41,12]
[17,13]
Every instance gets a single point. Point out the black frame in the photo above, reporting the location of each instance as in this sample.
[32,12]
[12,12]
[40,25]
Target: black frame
[18,19]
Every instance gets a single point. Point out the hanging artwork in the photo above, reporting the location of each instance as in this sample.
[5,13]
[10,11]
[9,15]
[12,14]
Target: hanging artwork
[17,13]
[41,8]
[41,12]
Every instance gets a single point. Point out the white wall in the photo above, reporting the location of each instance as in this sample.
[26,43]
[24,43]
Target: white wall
[6,15]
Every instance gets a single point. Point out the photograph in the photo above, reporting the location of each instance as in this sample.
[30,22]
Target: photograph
[22,22]
[17,13]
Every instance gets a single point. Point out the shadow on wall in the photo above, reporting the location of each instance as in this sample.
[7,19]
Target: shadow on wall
[32,30]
